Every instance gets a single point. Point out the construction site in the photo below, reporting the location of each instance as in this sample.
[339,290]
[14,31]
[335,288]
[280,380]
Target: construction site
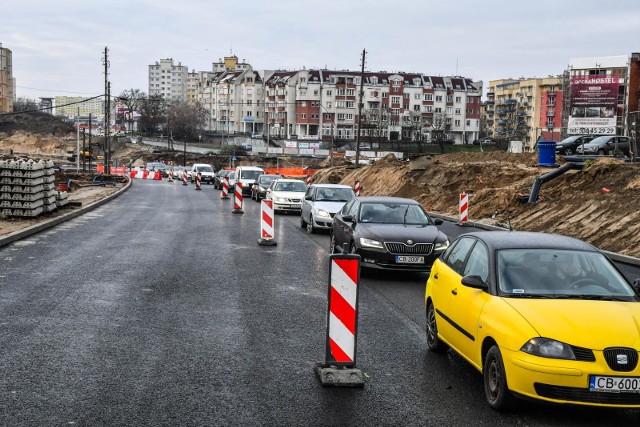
[595,202]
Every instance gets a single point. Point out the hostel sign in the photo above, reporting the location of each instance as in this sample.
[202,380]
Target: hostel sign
[594,100]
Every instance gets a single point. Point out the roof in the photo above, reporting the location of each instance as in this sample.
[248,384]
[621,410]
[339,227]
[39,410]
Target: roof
[386,199]
[529,240]
[331,186]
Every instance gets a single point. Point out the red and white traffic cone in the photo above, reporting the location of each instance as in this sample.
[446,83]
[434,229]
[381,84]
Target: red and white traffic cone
[356,188]
[267,224]
[170,175]
[339,367]
[308,180]
[237,200]
[225,188]
[184,178]
[199,181]
[464,207]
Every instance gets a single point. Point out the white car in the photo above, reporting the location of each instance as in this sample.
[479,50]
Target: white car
[206,171]
[287,194]
[320,204]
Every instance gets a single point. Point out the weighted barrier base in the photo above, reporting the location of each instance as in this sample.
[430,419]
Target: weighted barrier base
[237,211]
[267,242]
[332,376]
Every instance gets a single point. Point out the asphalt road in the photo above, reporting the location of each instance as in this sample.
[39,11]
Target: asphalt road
[159,308]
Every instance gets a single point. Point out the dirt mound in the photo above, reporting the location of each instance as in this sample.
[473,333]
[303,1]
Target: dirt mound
[37,123]
[596,204]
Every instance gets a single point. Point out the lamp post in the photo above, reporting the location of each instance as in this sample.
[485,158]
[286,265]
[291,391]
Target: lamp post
[632,128]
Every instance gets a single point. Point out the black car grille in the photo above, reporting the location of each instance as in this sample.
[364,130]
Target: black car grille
[294,200]
[583,354]
[574,394]
[403,248]
[616,356]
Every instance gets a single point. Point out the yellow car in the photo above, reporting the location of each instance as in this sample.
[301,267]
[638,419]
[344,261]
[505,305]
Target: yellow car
[542,316]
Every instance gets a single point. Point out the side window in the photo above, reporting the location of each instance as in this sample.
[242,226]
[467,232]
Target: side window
[459,253]
[346,207]
[309,192]
[478,263]
[353,211]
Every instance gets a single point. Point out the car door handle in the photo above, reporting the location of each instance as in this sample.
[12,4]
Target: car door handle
[454,291]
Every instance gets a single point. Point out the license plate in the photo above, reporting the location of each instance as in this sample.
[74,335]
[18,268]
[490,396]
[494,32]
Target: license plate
[402,259]
[614,384]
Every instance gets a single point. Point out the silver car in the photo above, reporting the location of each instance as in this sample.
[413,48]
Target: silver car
[320,204]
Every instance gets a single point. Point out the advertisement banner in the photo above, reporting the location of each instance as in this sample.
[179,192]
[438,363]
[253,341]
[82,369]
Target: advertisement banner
[594,100]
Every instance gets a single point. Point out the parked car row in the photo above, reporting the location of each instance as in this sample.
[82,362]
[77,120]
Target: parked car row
[595,145]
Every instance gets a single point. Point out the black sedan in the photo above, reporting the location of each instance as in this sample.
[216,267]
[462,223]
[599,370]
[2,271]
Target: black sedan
[389,233]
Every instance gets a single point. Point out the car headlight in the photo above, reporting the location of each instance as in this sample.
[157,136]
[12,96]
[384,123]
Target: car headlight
[370,243]
[546,347]
[279,199]
[442,245]
[322,213]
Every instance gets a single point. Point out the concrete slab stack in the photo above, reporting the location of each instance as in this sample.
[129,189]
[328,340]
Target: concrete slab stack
[27,187]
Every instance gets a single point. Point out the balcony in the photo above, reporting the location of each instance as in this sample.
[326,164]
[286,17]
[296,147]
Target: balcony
[551,113]
[520,114]
[501,121]
[510,101]
[501,111]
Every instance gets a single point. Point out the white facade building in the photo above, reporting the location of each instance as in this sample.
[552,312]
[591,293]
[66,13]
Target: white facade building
[168,80]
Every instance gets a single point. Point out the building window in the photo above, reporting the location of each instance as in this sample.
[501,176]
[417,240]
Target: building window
[303,116]
[449,110]
[468,122]
[349,116]
[457,123]
[395,100]
[427,109]
[438,98]
[340,116]
[416,107]
[428,97]
[351,92]
[385,94]
[341,92]
[340,104]
[457,111]
[449,98]
[458,99]
[350,104]
[329,93]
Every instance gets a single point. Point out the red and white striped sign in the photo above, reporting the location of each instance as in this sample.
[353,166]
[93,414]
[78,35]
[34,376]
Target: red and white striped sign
[184,177]
[308,180]
[343,309]
[170,175]
[146,175]
[464,207]
[266,219]
[225,188]
[199,181]
[356,188]
[237,200]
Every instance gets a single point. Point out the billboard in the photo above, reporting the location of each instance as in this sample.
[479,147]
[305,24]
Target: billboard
[594,100]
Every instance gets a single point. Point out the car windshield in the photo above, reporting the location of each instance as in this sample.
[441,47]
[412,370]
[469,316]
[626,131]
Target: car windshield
[553,273]
[250,174]
[569,140]
[297,186]
[334,194]
[231,175]
[204,169]
[394,213]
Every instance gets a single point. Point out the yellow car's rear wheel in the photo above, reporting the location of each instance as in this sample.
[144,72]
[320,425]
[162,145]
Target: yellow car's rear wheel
[433,341]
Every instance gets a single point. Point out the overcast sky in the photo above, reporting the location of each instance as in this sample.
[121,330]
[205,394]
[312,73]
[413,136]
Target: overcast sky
[58,46]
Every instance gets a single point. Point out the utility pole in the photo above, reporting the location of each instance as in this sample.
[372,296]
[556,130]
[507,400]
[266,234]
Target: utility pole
[107,103]
[361,94]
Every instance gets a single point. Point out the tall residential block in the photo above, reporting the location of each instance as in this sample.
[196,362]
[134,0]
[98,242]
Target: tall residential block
[168,80]
[7,82]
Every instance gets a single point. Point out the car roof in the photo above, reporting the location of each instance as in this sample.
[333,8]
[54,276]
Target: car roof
[529,240]
[289,180]
[331,186]
[385,199]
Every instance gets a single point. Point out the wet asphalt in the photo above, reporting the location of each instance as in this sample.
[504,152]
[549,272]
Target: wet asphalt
[160,308]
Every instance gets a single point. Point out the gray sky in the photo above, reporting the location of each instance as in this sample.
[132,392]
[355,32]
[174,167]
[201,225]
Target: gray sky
[58,45]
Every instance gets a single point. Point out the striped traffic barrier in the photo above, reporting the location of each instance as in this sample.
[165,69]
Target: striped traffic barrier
[308,180]
[339,367]
[464,207]
[237,200]
[356,188]
[267,223]
[157,176]
[225,188]
[199,181]
[184,177]
[170,175]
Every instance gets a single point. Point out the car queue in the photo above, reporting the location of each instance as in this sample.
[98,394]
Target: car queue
[539,316]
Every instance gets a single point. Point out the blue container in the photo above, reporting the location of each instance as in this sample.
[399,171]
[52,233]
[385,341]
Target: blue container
[547,153]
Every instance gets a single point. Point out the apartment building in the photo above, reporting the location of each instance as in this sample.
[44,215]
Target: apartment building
[525,109]
[323,104]
[7,82]
[168,80]
[68,106]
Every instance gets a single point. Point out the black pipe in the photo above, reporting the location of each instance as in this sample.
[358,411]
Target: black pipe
[537,183]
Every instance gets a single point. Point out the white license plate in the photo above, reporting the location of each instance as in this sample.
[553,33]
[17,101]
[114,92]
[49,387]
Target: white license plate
[402,259]
[614,384]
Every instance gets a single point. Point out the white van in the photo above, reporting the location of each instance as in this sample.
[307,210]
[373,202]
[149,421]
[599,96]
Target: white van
[206,173]
[247,175]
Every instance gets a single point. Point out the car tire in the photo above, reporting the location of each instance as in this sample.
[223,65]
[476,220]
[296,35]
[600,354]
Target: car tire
[332,244]
[303,223]
[433,342]
[568,152]
[601,152]
[310,228]
[495,381]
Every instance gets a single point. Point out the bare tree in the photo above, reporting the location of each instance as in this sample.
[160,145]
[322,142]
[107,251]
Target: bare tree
[186,119]
[377,122]
[152,113]
[439,128]
[24,104]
